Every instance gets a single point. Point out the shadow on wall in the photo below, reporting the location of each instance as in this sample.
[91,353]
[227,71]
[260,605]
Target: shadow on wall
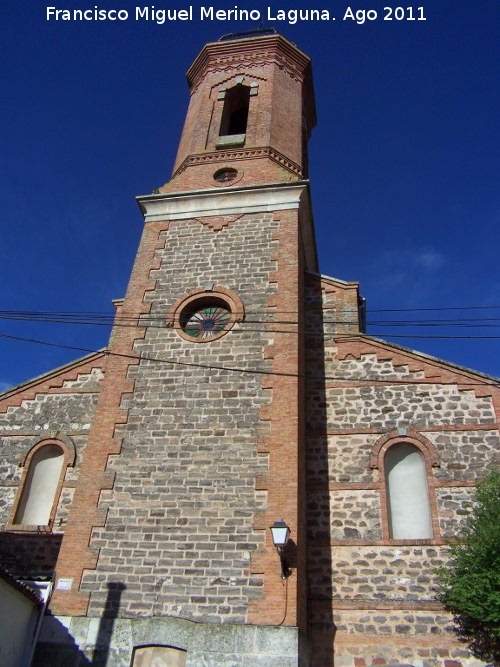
[57,647]
[112,607]
[322,627]
[79,641]
[29,555]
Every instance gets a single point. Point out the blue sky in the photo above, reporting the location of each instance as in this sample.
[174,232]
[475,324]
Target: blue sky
[404,165]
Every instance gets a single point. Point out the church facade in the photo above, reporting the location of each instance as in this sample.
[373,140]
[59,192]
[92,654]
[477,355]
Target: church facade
[240,388]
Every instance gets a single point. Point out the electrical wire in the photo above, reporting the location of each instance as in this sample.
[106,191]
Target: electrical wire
[89,319]
[254,371]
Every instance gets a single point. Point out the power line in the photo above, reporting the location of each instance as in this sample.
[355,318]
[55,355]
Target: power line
[146,320]
[254,371]
[97,315]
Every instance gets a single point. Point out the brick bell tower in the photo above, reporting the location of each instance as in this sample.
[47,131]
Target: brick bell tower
[198,443]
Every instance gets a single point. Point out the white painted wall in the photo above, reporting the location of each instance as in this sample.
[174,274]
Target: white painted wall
[18,622]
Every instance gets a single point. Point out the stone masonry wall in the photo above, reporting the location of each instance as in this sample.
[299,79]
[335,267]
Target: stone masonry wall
[373,599]
[395,573]
[179,529]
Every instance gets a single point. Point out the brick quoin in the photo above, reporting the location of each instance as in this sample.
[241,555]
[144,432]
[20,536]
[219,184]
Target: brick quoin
[75,555]
[285,436]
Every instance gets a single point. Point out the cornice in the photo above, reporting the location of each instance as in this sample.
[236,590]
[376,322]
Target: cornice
[250,52]
[236,201]
[230,201]
[53,379]
[244,154]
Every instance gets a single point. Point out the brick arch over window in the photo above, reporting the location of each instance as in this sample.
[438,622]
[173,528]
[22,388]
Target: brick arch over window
[38,493]
[199,297]
[427,448]
[405,459]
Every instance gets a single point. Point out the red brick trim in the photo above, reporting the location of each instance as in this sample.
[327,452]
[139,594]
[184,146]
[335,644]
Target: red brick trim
[25,462]
[219,157]
[284,441]
[257,52]
[53,381]
[435,371]
[77,553]
[411,435]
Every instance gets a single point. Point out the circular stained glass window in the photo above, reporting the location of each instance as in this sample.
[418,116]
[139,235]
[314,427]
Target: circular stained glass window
[225,175]
[205,321]
[206,314]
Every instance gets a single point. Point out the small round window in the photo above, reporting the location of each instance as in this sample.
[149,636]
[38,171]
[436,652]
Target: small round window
[225,175]
[205,319]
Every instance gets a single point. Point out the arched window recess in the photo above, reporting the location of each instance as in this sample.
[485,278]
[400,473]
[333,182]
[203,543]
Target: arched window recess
[41,483]
[405,459]
[234,120]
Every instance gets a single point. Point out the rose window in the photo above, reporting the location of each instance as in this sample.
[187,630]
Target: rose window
[206,321]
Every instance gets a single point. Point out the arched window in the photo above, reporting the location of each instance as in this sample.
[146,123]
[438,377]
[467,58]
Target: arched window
[235,112]
[40,487]
[408,505]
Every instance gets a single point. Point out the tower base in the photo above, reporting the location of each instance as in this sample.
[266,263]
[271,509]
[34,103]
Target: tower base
[166,641]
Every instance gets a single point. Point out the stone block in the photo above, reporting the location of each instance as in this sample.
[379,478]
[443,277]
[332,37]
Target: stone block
[282,640]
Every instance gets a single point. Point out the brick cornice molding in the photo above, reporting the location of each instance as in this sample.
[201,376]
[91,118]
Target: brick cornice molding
[216,157]
[252,52]
[53,381]
[434,370]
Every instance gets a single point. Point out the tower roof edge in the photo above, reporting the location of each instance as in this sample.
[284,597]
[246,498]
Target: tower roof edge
[256,49]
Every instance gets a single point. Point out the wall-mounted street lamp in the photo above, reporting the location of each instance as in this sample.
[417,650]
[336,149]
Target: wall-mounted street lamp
[281,533]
